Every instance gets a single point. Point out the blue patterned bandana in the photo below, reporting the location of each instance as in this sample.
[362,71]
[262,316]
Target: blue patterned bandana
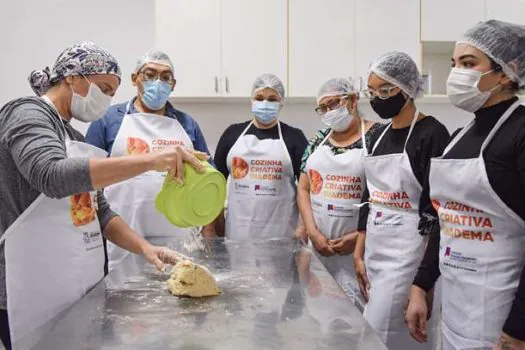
[85,58]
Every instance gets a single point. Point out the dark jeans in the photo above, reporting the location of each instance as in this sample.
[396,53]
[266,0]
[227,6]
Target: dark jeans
[4,329]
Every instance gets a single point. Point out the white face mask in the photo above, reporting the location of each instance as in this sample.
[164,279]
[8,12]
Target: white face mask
[92,106]
[463,91]
[338,119]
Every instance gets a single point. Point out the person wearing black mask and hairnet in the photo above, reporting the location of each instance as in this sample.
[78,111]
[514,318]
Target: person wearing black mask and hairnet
[401,215]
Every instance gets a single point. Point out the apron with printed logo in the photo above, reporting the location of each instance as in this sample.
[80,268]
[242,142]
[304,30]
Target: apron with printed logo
[481,250]
[337,183]
[262,190]
[394,248]
[134,199]
[54,255]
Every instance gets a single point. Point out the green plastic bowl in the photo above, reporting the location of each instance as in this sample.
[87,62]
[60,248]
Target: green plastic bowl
[195,203]
[159,204]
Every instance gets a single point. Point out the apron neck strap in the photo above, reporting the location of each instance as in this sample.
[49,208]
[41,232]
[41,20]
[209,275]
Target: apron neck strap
[128,106]
[500,122]
[279,130]
[381,137]
[458,136]
[327,137]
[51,104]
[246,129]
[496,127]
[412,125]
[252,122]
[363,137]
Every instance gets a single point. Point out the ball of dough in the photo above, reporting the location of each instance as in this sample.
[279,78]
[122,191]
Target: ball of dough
[191,280]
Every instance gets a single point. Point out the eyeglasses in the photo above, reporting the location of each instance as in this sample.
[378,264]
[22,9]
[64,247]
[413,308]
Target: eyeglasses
[322,109]
[383,92]
[152,75]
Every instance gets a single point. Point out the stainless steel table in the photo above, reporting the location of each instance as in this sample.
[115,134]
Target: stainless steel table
[276,295]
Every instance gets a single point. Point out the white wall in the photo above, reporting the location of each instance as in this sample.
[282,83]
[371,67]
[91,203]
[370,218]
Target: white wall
[438,66]
[36,31]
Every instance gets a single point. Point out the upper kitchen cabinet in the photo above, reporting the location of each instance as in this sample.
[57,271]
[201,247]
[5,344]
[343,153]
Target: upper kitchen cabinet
[254,41]
[506,10]
[322,40]
[189,32]
[383,26]
[447,20]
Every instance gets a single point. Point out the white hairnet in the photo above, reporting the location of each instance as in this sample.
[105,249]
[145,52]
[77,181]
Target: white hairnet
[268,81]
[503,42]
[400,70]
[157,57]
[335,87]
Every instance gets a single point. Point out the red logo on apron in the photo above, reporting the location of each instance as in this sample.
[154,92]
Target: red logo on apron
[137,146]
[82,209]
[316,181]
[240,168]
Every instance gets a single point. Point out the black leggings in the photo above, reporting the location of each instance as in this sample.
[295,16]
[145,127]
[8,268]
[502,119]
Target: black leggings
[4,329]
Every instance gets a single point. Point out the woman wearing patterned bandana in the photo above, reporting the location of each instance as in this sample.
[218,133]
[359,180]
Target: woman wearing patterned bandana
[53,213]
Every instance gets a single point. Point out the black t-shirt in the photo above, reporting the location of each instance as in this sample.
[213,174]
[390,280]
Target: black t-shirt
[294,140]
[504,159]
[428,139]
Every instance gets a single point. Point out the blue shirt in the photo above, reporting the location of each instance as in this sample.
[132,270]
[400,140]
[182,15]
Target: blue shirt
[102,133]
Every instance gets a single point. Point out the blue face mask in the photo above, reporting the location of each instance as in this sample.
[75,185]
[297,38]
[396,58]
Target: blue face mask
[156,93]
[265,111]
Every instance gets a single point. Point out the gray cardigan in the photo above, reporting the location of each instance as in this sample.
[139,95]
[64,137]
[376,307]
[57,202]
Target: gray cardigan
[33,161]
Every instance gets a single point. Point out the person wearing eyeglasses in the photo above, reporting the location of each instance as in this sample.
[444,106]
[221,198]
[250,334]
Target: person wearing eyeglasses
[148,123]
[478,188]
[401,215]
[262,157]
[332,180]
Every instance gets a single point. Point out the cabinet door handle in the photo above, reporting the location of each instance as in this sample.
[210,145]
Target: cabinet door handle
[216,85]
[227,83]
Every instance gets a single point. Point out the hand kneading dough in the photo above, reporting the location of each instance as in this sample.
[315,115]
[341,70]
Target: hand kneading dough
[192,280]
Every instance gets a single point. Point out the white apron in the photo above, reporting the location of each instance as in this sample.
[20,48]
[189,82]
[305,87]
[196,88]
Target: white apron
[481,250]
[134,199]
[262,191]
[337,183]
[394,248]
[54,255]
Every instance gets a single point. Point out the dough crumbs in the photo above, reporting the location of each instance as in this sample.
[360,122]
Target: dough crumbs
[191,280]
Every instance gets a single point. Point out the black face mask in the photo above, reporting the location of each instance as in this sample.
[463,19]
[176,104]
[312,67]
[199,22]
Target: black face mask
[389,108]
